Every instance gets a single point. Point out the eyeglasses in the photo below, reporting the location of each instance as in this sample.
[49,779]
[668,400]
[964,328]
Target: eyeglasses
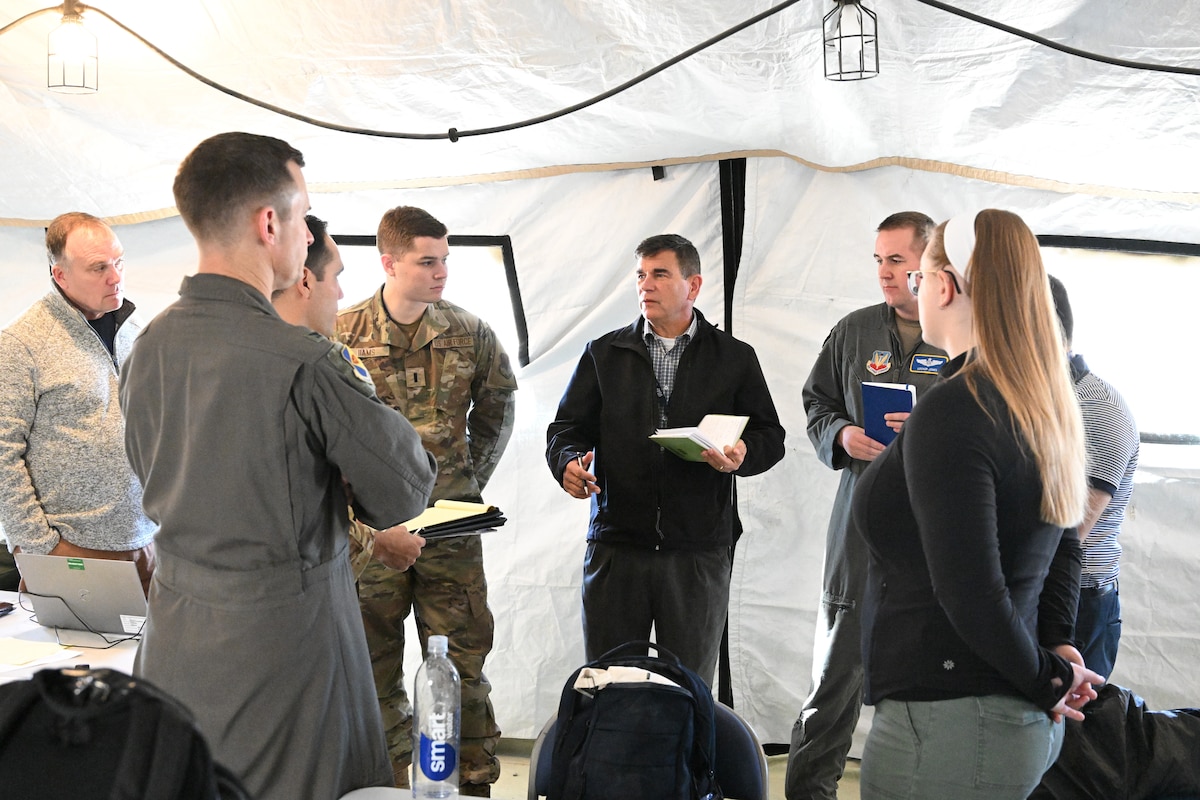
[914,279]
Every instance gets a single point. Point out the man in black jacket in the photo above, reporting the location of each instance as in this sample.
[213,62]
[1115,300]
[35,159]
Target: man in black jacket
[662,529]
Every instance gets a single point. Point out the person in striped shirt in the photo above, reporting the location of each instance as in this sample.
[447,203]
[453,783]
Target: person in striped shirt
[1111,436]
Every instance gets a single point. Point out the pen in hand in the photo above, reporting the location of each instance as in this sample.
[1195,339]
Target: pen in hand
[581,485]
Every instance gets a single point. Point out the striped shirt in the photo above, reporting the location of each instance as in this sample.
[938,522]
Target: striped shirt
[664,356]
[1112,456]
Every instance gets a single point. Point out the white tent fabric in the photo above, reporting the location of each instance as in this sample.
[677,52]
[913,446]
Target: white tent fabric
[950,91]
[961,116]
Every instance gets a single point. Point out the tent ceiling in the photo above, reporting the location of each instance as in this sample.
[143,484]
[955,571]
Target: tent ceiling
[950,91]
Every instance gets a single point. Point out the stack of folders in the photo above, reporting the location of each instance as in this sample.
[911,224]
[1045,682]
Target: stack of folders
[455,518]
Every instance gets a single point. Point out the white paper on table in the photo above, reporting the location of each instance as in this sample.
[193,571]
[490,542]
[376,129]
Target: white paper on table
[20,654]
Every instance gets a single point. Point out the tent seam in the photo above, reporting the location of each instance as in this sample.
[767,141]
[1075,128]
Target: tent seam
[907,162]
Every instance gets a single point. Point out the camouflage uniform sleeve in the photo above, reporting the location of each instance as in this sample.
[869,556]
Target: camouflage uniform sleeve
[490,421]
[362,545]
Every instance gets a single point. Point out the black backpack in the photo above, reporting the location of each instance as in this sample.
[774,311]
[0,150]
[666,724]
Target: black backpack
[636,741]
[103,734]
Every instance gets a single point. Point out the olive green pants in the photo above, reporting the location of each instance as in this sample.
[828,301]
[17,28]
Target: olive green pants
[447,592]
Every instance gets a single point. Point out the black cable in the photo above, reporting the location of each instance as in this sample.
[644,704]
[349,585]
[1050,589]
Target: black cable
[635,81]
[454,134]
[1062,48]
[109,643]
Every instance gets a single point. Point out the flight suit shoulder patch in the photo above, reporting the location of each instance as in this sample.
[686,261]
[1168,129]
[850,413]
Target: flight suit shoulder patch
[347,364]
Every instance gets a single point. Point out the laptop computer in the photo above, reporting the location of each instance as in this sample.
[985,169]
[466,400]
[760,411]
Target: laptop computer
[86,594]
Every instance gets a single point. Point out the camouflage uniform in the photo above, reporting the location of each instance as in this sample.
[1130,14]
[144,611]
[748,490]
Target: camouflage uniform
[455,385]
[362,546]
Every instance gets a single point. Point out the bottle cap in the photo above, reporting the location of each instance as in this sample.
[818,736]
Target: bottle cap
[438,645]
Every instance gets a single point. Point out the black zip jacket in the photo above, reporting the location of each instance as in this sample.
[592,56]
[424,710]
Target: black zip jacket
[649,497]
[968,589]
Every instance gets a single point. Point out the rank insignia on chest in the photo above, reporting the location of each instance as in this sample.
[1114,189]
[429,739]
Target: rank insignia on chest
[881,362]
[414,377]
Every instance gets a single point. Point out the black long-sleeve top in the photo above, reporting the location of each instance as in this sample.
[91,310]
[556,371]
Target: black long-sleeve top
[968,587]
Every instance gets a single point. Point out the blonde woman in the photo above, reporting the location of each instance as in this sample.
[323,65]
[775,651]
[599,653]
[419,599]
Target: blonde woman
[974,568]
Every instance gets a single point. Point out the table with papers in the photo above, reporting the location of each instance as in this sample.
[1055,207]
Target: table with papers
[26,647]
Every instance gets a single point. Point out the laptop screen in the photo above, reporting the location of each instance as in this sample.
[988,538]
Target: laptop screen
[87,594]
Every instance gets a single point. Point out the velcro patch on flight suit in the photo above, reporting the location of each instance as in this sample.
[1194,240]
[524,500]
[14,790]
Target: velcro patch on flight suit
[881,362]
[926,363]
[347,364]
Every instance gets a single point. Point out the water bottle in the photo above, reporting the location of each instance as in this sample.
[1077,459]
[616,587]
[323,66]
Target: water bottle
[436,711]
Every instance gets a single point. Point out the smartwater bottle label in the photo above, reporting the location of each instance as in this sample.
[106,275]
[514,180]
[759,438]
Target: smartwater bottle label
[438,758]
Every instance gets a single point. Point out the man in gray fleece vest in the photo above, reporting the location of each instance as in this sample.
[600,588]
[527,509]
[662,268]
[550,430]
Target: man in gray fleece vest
[66,487]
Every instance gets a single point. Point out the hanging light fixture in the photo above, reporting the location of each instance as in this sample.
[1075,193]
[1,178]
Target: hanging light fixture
[72,65]
[851,42]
